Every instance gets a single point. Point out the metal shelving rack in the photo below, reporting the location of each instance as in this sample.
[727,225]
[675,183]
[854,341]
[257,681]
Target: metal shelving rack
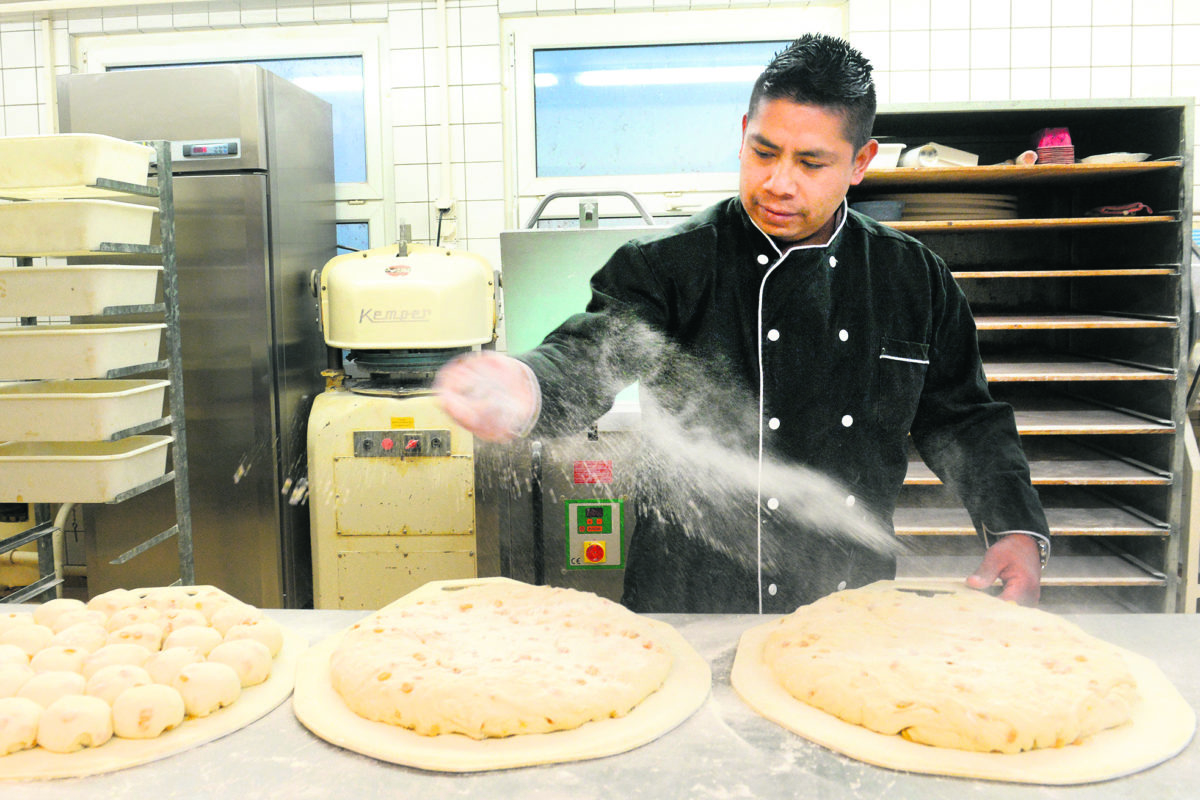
[1083,329]
[45,532]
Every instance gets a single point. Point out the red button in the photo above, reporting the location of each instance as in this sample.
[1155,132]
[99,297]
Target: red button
[387,444]
[594,553]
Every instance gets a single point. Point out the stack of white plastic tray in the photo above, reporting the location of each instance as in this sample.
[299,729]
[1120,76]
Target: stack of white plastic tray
[68,164]
[79,472]
[47,411]
[55,420]
[75,290]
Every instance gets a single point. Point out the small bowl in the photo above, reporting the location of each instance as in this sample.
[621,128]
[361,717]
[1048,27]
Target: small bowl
[888,156]
[880,210]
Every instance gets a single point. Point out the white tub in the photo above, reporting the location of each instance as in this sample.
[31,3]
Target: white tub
[79,472]
[74,290]
[50,411]
[68,161]
[71,227]
[44,352]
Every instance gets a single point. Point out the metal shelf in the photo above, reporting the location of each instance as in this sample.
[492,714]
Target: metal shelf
[182,530]
[1049,322]
[1029,224]
[1094,369]
[1093,520]
[1053,462]
[1043,368]
[1009,174]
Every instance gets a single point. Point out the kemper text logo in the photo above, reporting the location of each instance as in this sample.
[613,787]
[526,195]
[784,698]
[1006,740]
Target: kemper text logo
[384,316]
[399,271]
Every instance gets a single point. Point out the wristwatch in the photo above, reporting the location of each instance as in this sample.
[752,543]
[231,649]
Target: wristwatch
[1042,540]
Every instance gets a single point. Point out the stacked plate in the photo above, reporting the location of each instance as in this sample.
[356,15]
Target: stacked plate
[921,206]
[1056,154]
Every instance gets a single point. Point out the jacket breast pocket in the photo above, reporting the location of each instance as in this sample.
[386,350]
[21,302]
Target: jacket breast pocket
[901,376]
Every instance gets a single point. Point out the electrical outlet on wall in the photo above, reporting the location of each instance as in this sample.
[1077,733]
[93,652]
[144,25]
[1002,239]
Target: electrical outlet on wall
[449,224]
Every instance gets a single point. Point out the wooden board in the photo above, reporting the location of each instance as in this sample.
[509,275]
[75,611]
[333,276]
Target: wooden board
[319,708]
[1162,725]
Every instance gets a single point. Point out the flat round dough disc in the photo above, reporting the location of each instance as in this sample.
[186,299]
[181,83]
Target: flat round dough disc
[319,708]
[1162,725]
[116,754]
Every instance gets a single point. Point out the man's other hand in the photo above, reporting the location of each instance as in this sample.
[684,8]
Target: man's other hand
[1014,559]
[493,396]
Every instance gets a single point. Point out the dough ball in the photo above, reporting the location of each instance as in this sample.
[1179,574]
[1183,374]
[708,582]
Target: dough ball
[110,681]
[124,653]
[112,601]
[13,677]
[46,687]
[170,597]
[13,619]
[144,712]
[49,611]
[11,654]
[204,639]
[85,635]
[76,616]
[234,614]
[57,658]
[74,722]
[263,630]
[18,724]
[29,638]
[178,618]
[146,634]
[207,687]
[250,659]
[208,600]
[165,665]
[133,615]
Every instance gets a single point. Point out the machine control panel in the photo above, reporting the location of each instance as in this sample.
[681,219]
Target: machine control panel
[595,535]
[401,443]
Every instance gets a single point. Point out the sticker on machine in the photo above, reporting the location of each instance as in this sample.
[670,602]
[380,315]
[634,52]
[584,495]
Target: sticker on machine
[593,472]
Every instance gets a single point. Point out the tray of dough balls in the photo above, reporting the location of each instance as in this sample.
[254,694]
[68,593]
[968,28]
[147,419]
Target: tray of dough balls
[132,676]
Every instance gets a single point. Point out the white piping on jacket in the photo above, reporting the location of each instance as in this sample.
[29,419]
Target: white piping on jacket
[909,360]
[762,374]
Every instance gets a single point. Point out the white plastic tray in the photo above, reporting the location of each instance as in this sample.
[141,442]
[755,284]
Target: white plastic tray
[43,352]
[74,290]
[71,227]
[79,472]
[48,411]
[39,165]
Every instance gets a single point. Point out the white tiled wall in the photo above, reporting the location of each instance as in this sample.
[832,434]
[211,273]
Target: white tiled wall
[923,50]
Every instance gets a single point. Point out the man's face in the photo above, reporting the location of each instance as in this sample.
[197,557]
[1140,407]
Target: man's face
[796,166]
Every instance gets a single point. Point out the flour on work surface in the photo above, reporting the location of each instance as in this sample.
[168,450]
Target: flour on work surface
[494,661]
[957,670]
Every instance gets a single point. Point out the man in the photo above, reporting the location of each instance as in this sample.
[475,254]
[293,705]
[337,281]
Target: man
[848,334]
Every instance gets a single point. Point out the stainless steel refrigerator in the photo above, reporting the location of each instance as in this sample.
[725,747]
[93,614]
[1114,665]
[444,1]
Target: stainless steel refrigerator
[253,178]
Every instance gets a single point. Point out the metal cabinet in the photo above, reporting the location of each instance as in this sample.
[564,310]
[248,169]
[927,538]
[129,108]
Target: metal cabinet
[1083,327]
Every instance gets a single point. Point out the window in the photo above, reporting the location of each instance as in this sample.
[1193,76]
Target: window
[339,63]
[649,103]
[593,107]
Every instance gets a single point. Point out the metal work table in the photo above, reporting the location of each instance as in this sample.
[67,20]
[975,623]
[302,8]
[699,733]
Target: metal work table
[724,750]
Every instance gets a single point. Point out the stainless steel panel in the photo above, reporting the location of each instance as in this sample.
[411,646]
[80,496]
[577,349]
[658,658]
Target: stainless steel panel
[252,349]
[522,505]
[242,404]
[547,276]
[176,103]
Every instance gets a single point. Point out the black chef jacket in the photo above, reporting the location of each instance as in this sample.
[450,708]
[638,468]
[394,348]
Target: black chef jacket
[854,343]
